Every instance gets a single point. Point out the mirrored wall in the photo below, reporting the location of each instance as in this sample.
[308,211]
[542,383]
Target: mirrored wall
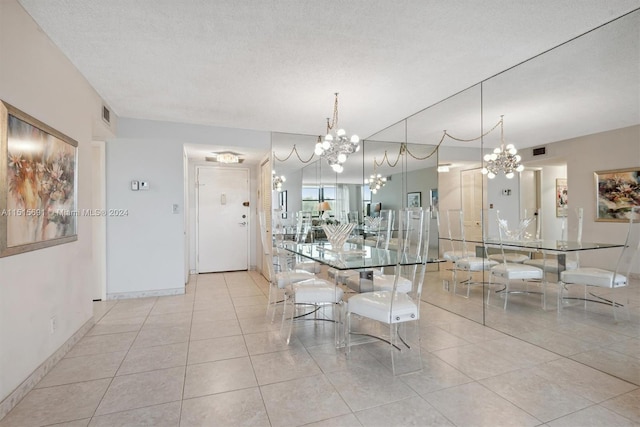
[570,112]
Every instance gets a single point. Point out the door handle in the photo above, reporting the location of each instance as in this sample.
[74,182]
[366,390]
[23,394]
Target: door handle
[243,223]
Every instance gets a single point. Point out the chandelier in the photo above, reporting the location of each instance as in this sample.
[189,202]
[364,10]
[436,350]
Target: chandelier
[277,181]
[376,181]
[336,145]
[503,159]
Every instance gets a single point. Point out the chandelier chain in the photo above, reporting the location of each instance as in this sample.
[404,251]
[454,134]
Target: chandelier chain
[334,120]
[403,146]
[293,150]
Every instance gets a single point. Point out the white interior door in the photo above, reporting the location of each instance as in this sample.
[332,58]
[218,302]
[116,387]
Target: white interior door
[472,197]
[223,219]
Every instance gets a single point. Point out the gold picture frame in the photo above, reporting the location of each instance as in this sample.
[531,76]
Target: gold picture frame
[617,191]
[38,189]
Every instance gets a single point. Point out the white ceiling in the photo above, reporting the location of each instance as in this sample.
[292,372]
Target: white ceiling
[274,65]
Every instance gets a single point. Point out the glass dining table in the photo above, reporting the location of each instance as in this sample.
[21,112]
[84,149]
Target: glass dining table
[559,248]
[352,256]
[357,257]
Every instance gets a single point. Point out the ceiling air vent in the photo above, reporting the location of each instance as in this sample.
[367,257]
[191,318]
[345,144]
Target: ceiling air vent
[106,115]
[539,151]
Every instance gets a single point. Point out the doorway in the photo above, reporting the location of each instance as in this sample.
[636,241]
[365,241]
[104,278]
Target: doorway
[222,219]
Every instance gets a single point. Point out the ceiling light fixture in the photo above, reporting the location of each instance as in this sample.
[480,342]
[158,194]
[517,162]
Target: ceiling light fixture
[376,181]
[277,181]
[444,167]
[336,145]
[503,159]
[227,157]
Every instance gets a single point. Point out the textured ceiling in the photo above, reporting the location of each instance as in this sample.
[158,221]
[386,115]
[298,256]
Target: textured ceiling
[274,65]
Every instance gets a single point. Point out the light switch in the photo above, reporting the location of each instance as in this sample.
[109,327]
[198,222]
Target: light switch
[175,208]
[144,185]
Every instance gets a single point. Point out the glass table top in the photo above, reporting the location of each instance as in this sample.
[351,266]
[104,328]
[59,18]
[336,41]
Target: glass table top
[351,255]
[544,245]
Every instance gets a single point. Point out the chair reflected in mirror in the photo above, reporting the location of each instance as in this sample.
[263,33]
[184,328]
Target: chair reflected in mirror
[473,264]
[518,232]
[506,273]
[613,283]
[569,230]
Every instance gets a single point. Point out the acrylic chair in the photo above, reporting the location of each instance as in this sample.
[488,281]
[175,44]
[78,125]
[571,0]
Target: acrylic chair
[340,276]
[381,280]
[473,264]
[508,232]
[280,280]
[303,233]
[393,309]
[381,228]
[608,279]
[455,232]
[550,264]
[510,271]
[311,297]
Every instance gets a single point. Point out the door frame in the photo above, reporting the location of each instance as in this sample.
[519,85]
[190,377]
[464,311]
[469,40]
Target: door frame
[99,223]
[197,213]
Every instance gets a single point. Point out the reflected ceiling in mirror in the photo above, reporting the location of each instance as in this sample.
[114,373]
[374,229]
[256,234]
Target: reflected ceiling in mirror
[585,86]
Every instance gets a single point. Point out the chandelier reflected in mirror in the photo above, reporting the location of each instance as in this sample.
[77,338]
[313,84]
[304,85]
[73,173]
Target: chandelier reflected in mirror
[376,181]
[336,146]
[278,180]
[503,159]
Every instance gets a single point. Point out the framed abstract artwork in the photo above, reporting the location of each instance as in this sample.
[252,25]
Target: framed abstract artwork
[414,200]
[38,189]
[561,197]
[617,191]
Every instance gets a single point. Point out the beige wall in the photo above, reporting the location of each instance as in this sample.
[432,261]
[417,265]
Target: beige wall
[36,286]
[615,149]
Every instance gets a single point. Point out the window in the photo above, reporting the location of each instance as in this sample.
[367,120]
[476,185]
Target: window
[313,195]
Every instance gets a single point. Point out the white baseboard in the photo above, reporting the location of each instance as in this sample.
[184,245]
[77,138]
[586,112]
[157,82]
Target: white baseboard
[27,385]
[143,294]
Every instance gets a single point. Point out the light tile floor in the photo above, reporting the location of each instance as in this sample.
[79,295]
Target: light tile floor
[212,358]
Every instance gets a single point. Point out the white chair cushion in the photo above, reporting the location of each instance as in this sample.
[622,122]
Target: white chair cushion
[517,271]
[593,276]
[453,255]
[310,266]
[510,257]
[377,306]
[285,279]
[551,265]
[317,291]
[475,263]
[384,282]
